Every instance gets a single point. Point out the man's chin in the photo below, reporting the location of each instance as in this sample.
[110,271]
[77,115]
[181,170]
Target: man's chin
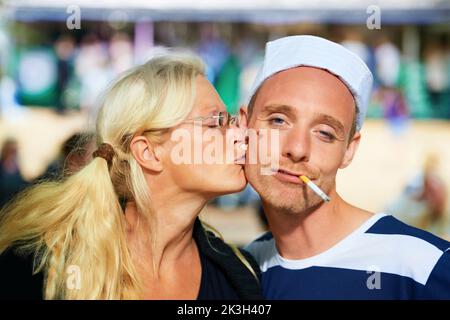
[288,199]
[294,209]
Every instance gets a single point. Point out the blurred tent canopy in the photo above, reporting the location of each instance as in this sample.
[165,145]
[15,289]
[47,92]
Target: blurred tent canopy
[252,11]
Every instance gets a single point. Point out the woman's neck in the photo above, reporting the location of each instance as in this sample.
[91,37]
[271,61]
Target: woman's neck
[162,242]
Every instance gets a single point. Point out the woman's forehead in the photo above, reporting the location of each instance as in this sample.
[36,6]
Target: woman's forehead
[207,99]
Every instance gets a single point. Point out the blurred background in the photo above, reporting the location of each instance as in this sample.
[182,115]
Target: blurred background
[56,57]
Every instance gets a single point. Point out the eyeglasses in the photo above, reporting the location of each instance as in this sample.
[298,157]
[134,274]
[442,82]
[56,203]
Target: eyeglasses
[220,120]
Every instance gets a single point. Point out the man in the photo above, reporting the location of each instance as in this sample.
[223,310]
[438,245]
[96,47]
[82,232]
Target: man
[315,92]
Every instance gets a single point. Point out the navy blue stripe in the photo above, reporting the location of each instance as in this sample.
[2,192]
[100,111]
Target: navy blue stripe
[391,225]
[266,236]
[438,284]
[326,283]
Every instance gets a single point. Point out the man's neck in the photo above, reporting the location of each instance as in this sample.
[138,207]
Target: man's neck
[306,234]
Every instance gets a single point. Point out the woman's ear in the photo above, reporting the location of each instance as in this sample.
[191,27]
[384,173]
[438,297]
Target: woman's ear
[146,154]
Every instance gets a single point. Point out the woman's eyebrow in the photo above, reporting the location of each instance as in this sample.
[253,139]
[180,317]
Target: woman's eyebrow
[330,120]
[210,109]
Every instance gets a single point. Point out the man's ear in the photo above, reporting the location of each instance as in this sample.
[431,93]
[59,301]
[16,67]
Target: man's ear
[146,154]
[351,150]
[243,117]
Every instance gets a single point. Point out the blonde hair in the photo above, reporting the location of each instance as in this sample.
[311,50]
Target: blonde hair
[78,221]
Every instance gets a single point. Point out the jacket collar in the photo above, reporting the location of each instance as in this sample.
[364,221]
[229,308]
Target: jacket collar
[241,279]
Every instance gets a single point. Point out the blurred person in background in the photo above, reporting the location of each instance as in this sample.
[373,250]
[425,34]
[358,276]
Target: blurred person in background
[395,109]
[11,180]
[423,202]
[387,69]
[353,41]
[121,52]
[387,62]
[128,220]
[93,70]
[437,67]
[65,50]
[75,153]
[434,194]
[213,50]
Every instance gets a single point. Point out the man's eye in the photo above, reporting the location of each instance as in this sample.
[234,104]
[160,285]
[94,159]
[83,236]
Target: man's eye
[328,136]
[277,121]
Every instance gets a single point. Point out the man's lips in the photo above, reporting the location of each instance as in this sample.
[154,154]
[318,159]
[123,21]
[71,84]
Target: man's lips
[289,176]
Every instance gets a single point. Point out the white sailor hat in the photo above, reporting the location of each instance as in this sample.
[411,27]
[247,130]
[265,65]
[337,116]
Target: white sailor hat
[294,51]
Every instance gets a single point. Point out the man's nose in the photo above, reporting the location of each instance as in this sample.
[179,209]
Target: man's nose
[296,145]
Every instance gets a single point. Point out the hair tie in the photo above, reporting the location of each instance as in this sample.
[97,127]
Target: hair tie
[105,151]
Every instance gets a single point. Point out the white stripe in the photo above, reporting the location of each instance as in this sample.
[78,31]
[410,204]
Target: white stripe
[402,255]
[264,252]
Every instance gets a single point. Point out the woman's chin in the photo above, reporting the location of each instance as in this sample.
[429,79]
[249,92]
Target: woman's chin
[238,184]
[232,184]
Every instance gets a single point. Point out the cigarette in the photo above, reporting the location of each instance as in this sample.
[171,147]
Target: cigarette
[315,188]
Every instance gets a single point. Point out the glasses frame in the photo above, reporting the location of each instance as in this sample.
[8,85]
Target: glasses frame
[229,118]
[225,119]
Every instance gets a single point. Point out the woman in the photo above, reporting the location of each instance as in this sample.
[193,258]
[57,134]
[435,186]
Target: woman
[126,225]
[11,180]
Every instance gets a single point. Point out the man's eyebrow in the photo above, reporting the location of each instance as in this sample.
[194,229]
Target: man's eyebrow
[335,123]
[282,108]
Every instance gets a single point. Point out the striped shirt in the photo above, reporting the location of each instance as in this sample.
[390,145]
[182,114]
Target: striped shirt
[382,259]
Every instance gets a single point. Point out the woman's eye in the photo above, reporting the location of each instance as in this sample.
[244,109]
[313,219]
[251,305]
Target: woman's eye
[213,123]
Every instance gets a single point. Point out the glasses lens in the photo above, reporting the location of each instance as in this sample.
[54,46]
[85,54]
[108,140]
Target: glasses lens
[211,122]
[223,119]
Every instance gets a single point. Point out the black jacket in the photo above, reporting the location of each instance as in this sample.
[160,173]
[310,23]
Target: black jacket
[17,281]
[241,279]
